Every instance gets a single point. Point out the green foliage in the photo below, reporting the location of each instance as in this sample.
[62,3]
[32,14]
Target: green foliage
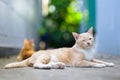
[61,21]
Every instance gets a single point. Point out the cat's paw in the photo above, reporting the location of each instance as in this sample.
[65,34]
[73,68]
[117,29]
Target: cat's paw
[61,65]
[99,66]
[42,66]
[58,65]
[109,64]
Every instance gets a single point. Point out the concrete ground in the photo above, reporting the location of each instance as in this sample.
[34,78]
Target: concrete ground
[69,73]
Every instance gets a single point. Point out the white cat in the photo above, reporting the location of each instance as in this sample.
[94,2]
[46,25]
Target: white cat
[80,55]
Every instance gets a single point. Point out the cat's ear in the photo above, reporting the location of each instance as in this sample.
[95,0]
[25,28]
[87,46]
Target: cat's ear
[90,30]
[31,40]
[75,35]
[25,40]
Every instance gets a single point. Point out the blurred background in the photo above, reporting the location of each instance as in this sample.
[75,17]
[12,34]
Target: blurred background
[51,22]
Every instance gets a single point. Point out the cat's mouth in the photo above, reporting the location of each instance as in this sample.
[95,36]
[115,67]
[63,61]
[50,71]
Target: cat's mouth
[86,47]
[89,46]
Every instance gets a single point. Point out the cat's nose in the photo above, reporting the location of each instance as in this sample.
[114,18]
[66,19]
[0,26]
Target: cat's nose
[88,43]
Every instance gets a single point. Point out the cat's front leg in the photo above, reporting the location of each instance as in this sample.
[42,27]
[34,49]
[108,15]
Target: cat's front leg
[85,63]
[42,62]
[19,57]
[103,62]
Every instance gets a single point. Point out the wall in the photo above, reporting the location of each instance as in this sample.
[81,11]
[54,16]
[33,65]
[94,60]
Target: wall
[108,27]
[18,19]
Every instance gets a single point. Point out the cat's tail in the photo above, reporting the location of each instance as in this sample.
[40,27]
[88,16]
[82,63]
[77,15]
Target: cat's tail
[23,63]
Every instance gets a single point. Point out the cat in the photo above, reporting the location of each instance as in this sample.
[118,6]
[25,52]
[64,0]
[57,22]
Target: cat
[27,50]
[80,55]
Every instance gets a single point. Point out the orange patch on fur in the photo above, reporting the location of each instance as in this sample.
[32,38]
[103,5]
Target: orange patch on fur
[27,50]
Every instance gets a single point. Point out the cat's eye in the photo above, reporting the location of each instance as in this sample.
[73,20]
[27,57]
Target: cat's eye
[90,38]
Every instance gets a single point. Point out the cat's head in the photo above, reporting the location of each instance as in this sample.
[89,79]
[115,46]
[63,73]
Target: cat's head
[84,40]
[28,44]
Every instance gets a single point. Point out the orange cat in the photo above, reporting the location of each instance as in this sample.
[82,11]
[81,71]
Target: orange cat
[27,50]
[80,55]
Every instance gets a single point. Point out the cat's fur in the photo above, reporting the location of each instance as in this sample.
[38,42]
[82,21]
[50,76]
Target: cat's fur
[27,50]
[80,55]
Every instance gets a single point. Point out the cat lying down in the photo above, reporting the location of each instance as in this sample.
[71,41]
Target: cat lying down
[80,55]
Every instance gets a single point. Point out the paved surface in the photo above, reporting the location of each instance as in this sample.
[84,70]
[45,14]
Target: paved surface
[69,73]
